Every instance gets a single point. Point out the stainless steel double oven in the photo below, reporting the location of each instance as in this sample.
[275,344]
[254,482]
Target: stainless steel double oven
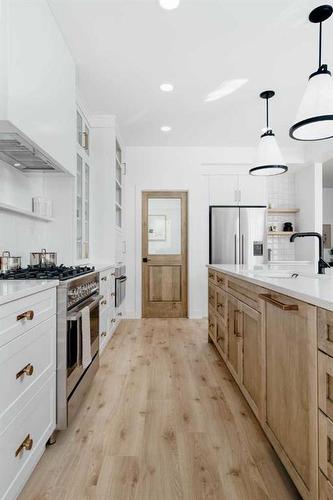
[73,381]
[120,283]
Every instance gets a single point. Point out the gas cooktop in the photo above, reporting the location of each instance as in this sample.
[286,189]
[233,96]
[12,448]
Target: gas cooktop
[61,273]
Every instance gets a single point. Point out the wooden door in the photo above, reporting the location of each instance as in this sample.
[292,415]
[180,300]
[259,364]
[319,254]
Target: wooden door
[164,254]
[234,337]
[291,387]
[252,356]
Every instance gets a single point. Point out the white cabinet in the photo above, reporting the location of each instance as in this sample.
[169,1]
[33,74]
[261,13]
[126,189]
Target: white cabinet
[28,376]
[37,82]
[82,188]
[237,190]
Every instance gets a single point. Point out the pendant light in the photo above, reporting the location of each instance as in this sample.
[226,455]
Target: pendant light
[314,121]
[269,159]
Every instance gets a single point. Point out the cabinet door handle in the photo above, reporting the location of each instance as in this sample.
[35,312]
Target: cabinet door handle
[103,334]
[237,333]
[26,444]
[27,370]
[284,307]
[104,278]
[29,315]
[103,302]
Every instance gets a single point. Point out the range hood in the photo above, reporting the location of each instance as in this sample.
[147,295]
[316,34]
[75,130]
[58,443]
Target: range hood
[23,154]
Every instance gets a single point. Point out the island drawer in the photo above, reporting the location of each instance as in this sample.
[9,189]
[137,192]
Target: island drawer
[23,441]
[21,315]
[325,331]
[326,446]
[325,488]
[25,363]
[246,292]
[221,280]
[211,275]
[221,303]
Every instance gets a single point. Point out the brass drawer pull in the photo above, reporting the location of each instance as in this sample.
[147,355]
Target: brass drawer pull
[27,370]
[220,306]
[103,303]
[29,315]
[220,280]
[26,445]
[104,278]
[284,307]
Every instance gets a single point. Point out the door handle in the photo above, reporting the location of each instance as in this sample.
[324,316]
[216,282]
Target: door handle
[145,259]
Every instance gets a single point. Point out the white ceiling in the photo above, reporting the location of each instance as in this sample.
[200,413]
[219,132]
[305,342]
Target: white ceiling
[125,49]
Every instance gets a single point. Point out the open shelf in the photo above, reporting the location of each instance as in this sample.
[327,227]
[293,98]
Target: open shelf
[280,233]
[5,207]
[283,210]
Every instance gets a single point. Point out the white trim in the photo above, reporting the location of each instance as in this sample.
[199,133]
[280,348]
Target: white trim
[103,121]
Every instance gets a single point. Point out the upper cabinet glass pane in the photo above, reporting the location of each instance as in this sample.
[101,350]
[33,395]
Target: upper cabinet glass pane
[86,139]
[164,226]
[79,128]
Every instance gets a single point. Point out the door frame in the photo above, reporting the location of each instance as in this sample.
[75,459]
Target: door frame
[158,193]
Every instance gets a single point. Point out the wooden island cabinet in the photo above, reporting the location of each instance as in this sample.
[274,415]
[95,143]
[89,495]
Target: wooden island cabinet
[279,350]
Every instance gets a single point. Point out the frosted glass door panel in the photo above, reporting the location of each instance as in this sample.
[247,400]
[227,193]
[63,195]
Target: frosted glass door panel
[164,226]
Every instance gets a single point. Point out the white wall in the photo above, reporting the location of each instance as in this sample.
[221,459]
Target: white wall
[308,185]
[328,216]
[183,168]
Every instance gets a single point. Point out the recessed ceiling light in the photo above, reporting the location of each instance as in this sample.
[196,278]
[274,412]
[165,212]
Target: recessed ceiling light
[166,87]
[17,164]
[166,128]
[226,88]
[169,4]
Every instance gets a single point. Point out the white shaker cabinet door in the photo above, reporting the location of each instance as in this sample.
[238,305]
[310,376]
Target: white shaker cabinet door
[252,190]
[223,190]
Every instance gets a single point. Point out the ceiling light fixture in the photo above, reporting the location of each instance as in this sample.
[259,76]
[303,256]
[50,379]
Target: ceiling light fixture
[314,121]
[165,128]
[225,89]
[169,4]
[166,87]
[269,159]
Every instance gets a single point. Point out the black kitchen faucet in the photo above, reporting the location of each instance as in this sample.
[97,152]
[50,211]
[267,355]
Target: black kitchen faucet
[322,264]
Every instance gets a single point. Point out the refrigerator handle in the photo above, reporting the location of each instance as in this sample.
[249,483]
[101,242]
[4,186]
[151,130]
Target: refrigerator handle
[242,248]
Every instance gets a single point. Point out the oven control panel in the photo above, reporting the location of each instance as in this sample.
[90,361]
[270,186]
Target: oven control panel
[82,288]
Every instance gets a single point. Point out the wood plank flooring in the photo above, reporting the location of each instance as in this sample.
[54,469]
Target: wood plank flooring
[163,421]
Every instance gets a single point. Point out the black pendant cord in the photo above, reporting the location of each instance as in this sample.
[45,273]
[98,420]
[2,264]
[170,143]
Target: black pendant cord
[320,42]
[267,127]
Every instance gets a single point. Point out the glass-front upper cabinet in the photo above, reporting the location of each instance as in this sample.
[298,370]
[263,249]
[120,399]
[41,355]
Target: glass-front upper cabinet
[119,187]
[82,189]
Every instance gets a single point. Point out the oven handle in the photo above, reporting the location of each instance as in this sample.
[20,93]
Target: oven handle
[76,316]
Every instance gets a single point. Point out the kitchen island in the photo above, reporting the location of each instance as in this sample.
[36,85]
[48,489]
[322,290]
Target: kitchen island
[273,327]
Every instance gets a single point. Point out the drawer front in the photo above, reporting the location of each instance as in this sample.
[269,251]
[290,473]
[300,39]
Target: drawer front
[325,331]
[222,335]
[25,363]
[104,284]
[221,280]
[212,296]
[221,303]
[212,323]
[326,446]
[103,328]
[325,488]
[211,275]
[36,308]
[246,292]
[325,384]
[36,421]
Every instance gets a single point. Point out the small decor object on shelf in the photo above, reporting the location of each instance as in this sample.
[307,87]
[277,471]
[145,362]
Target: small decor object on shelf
[273,228]
[288,227]
[42,206]
[327,235]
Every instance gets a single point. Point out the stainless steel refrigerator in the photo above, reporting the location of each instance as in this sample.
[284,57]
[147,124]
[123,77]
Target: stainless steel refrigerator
[238,235]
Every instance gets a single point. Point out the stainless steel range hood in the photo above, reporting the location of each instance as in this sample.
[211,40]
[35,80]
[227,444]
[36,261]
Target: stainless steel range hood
[17,150]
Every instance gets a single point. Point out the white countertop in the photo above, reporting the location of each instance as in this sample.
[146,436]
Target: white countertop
[308,286]
[16,289]
[99,267]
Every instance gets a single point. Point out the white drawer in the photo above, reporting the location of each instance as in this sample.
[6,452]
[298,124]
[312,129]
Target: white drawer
[39,307]
[107,286]
[35,350]
[36,420]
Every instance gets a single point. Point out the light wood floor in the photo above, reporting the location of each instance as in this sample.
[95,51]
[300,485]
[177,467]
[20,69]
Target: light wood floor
[163,421]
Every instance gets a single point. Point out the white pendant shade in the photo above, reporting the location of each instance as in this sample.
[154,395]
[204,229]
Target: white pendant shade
[314,120]
[269,160]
